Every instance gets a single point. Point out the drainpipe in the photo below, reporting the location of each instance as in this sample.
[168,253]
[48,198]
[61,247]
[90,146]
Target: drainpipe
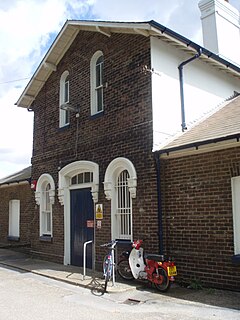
[180,68]
[159,199]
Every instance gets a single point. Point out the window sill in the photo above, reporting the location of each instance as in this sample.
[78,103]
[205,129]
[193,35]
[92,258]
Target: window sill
[46,238]
[97,115]
[65,127]
[12,238]
[236,259]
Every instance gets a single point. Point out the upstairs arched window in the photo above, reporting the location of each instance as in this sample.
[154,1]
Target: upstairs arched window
[64,99]
[97,83]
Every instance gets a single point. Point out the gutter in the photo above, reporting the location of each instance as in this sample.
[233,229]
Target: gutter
[199,143]
[180,68]
[159,200]
[194,46]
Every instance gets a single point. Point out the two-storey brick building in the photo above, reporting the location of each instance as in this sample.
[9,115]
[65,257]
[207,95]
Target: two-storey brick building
[104,96]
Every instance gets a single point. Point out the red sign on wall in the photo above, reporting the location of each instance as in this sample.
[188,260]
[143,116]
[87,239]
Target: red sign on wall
[90,223]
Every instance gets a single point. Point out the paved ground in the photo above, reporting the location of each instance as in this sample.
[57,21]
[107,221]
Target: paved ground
[74,275]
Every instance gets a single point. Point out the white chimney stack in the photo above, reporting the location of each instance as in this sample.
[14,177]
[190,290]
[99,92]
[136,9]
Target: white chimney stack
[221,29]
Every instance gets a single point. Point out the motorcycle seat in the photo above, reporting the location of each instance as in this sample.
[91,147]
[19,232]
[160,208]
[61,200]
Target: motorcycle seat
[155,257]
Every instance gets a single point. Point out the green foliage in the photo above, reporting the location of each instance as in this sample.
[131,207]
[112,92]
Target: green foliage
[196,284]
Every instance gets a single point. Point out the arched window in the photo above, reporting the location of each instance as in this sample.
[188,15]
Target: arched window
[64,115]
[44,196]
[123,215]
[97,82]
[120,184]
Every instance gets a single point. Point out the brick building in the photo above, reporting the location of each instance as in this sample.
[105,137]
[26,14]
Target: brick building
[200,193]
[104,97]
[16,208]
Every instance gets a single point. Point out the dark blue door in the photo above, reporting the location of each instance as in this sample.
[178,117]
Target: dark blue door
[82,216]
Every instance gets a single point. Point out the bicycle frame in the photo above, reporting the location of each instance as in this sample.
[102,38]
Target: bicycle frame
[109,263]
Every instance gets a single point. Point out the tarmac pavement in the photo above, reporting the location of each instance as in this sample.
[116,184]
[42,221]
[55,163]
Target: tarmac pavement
[74,275]
[68,274]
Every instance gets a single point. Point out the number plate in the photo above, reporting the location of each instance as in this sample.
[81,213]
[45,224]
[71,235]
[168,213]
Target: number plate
[172,271]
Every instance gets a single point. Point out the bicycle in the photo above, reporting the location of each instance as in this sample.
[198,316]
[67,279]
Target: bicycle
[108,263]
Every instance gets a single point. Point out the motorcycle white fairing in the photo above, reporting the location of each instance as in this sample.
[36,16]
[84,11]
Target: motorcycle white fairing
[136,262]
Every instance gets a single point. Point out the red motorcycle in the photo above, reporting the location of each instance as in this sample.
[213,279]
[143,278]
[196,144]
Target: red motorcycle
[151,267]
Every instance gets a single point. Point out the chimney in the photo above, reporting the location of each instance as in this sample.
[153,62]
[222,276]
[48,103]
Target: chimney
[221,29]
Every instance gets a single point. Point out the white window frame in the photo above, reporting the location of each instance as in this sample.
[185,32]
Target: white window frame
[235,181]
[14,219]
[122,216]
[114,170]
[95,89]
[44,211]
[64,115]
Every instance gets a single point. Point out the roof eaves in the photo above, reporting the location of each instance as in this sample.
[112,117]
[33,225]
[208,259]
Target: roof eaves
[73,26]
[195,46]
[197,144]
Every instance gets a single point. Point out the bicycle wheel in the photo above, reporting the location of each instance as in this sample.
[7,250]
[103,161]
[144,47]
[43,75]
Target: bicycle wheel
[107,265]
[164,282]
[124,270]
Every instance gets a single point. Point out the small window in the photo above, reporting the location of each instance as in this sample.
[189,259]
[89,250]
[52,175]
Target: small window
[84,177]
[14,219]
[97,103]
[64,115]
[99,84]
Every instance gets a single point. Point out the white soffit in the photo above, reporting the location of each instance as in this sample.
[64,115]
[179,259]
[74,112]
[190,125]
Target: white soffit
[67,35]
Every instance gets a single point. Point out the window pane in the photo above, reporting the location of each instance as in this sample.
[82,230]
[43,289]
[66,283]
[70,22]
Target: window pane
[98,76]
[66,92]
[74,180]
[48,222]
[14,218]
[87,177]
[47,198]
[100,99]
[67,116]
[123,214]
[80,178]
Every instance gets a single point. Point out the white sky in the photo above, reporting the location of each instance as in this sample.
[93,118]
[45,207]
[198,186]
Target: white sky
[27,29]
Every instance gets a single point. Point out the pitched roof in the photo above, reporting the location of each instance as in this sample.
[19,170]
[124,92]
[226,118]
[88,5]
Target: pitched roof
[222,125]
[150,28]
[23,175]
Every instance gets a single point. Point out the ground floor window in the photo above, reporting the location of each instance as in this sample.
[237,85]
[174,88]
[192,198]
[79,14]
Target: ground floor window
[236,213]
[120,184]
[123,207]
[44,196]
[14,219]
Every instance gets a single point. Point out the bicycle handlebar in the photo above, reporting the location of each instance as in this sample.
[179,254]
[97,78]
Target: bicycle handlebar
[110,244]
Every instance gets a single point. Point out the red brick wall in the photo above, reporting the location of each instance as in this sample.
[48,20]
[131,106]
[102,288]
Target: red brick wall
[197,207]
[124,130]
[23,193]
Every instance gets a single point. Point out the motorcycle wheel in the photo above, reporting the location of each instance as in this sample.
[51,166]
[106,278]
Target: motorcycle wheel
[164,286]
[124,270]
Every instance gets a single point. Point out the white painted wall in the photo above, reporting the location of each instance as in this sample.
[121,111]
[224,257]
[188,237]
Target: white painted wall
[221,28]
[204,88]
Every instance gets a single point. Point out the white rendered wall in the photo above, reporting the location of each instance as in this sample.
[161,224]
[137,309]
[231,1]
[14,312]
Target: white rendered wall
[221,29]
[205,87]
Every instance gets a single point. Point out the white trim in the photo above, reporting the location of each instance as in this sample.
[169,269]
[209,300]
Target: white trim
[113,170]
[42,182]
[93,61]
[64,187]
[118,165]
[63,113]
[45,178]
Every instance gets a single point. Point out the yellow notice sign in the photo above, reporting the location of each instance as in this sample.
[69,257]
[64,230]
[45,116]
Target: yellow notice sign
[99,211]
